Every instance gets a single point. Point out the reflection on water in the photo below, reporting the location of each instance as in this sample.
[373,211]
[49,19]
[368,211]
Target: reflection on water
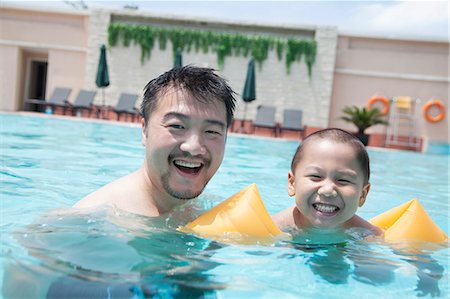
[112,254]
[336,263]
[364,262]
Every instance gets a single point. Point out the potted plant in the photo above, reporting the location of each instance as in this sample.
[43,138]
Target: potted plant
[363,118]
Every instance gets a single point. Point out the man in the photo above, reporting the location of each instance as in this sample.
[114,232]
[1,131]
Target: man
[186,113]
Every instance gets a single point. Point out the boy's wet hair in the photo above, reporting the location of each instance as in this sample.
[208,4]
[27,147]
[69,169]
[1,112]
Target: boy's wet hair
[339,136]
[202,84]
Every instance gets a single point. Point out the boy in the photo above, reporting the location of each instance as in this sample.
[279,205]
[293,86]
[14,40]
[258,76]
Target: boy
[329,178]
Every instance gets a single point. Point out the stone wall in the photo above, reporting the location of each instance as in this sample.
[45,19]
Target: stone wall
[274,86]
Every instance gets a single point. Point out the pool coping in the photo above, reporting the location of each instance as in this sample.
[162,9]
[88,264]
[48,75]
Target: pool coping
[138,125]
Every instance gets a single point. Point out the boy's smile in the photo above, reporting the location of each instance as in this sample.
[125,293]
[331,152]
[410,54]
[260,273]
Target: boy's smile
[328,184]
[325,209]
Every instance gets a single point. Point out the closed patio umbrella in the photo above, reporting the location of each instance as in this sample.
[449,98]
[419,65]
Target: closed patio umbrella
[249,93]
[102,79]
[178,58]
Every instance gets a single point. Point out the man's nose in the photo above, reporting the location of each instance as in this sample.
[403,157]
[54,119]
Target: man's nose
[327,189]
[193,144]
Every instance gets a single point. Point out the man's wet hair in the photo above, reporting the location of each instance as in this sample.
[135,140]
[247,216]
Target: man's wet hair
[338,136]
[202,84]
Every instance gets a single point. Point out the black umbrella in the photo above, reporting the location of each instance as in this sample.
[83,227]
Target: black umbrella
[178,58]
[102,79]
[249,93]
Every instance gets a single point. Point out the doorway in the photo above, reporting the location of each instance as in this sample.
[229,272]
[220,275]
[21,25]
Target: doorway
[37,79]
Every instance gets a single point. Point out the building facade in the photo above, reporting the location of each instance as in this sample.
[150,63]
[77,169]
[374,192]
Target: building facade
[43,49]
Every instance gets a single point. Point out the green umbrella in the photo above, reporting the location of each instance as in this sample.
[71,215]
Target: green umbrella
[178,58]
[249,93]
[102,79]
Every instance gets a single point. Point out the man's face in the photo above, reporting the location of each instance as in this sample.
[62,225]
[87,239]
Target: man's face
[185,142]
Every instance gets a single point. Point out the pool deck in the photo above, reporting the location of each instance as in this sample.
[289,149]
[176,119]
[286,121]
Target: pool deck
[376,140]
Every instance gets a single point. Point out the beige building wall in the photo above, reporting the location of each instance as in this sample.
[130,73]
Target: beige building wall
[391,67]
[56,37]
[9,76]
[66,69]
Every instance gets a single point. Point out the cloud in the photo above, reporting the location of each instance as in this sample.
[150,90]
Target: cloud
[404,19]
[408,17]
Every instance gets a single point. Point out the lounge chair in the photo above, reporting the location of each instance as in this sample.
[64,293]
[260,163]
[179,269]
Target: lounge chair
[83,101]
[57,99]
[126,105]
[265,118]
[292,120]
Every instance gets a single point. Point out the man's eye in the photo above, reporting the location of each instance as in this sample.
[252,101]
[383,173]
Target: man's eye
[176,126]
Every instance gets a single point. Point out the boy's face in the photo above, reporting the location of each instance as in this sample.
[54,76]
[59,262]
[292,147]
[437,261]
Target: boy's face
[328,184]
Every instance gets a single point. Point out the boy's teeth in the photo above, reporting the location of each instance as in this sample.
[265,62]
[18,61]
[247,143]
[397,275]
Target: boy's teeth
[325,208]
[187,164]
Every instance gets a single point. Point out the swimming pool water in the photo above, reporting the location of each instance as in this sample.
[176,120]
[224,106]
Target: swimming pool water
[49,163]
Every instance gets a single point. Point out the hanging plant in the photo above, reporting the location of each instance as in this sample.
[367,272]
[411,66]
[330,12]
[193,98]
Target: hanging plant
[223,44]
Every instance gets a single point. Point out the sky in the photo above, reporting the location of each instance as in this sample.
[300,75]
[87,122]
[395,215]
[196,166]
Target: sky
[388,19]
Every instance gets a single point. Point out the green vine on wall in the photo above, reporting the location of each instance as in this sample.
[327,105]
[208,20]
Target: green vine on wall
[223,44]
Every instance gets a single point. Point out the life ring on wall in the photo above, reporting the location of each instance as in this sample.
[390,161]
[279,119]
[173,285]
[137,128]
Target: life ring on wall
[434,118]
[382,100]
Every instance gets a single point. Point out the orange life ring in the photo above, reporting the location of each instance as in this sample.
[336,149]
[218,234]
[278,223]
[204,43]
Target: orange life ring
[381,99]
[434,118]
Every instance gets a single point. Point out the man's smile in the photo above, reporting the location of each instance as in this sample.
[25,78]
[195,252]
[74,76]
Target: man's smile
[188,167]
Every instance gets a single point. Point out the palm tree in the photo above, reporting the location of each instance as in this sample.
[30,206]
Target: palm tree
[363,118]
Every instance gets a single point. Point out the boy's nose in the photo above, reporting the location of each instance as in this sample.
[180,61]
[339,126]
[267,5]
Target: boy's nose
[193,144]
[327,190]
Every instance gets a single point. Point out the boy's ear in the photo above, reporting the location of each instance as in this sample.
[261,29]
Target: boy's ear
[362,198]
[144,132]
[291,184]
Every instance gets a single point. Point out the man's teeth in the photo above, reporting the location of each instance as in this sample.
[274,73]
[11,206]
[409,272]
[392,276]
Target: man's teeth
[187,164]
[325,208]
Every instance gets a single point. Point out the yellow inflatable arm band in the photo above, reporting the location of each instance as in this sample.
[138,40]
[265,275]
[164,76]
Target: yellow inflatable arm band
[409,221]
[245,214]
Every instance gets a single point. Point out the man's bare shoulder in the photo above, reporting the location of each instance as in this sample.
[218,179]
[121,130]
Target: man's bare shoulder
[111,193]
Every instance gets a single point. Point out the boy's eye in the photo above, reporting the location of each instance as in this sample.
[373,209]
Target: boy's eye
[344,181]
[314,176]
[213,132]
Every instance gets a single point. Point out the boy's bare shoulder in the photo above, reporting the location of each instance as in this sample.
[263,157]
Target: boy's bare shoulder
[285,218]
[357,221]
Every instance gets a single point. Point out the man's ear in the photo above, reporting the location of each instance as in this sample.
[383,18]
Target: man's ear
[144,132]
[362,198]
[291,184]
